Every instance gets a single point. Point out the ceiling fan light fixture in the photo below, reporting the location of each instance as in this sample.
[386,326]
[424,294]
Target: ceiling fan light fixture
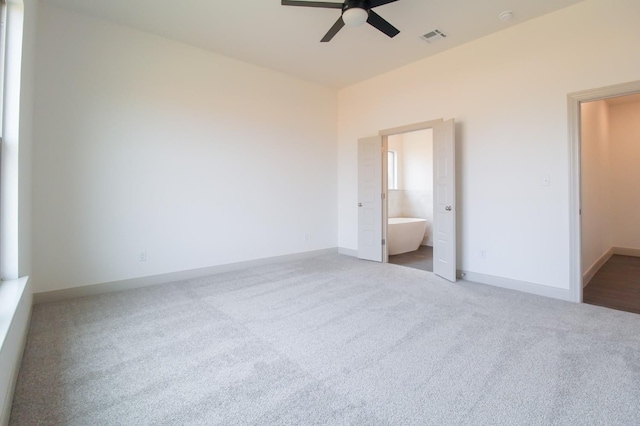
[355,16]
[354,13]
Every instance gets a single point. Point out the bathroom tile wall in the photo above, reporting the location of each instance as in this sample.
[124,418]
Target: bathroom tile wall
[394,203]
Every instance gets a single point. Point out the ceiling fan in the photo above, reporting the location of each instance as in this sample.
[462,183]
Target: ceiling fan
[354,13]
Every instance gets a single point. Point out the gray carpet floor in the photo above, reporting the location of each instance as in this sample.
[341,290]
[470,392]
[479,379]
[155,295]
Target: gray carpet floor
[331,341]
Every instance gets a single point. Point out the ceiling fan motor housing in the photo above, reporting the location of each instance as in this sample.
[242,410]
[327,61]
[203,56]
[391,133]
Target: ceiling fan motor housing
[355,13]
[355,4]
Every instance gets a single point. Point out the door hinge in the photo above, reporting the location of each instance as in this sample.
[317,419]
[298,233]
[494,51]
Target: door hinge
[383,195]
[384,241]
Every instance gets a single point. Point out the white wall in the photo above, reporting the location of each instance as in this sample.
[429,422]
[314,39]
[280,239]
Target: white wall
[508,94]
[625,158]
[597,207]
[145,144]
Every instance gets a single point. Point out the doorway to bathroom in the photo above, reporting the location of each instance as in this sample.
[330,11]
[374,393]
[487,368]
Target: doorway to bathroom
[373,198]
[410,199]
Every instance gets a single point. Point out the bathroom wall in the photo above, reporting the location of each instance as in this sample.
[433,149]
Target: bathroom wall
[414,196]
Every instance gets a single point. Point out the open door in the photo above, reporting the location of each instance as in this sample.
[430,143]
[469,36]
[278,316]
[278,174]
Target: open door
[370,199]
[444,178]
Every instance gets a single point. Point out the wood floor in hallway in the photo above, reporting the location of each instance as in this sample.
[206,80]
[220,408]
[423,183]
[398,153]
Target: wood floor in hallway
[616,285]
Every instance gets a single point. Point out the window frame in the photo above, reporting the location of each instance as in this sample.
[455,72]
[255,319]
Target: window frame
[3,54]
[392,169]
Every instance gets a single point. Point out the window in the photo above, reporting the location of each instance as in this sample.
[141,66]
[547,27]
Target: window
[3,37]
[392,172]
[10,55]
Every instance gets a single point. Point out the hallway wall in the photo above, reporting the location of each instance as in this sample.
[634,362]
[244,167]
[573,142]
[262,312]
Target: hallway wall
[625,159]
[597,207]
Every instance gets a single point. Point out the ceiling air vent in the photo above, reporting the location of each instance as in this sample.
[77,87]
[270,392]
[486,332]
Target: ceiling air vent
[433,36]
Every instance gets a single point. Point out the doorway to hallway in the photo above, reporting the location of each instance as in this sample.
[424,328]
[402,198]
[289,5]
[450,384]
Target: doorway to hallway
[610,219]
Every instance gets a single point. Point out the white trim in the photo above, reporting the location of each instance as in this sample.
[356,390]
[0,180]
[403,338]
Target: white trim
[411,127]
[627,251]
[593,269]
[385,201]
[348,251]
[3,51]
[15,316]
[11,293]
[392,174]
[523,286]
[9,179]
[90,290]
[575,238]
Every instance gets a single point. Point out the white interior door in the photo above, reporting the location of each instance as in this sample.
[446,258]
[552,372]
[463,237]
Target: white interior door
[370,198]
[444,178]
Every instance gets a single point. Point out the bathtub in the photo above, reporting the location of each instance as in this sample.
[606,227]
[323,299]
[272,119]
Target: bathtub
[404,234]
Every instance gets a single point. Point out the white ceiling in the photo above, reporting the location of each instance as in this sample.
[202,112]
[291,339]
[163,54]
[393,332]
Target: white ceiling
[287,39]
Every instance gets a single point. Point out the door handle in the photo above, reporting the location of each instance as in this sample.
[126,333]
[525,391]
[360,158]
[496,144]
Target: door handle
[448,208]
[359,204]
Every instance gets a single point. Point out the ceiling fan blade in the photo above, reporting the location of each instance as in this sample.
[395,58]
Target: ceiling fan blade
[322,4]
[380,23]
[333,31]
[376,3]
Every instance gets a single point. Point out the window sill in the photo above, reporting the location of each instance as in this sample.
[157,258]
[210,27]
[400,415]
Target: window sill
[11,292]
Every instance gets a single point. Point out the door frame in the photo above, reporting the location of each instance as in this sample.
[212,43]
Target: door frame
[424,125]
[574,100]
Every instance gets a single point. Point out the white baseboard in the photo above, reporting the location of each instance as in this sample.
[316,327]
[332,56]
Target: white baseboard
[593,269]
[348,252]
[626,251]
[526,287]
[90,290]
